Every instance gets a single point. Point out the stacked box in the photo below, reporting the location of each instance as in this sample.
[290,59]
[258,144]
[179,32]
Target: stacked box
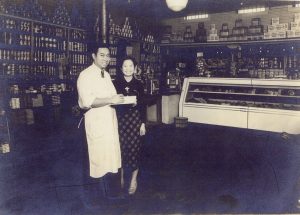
[276,30]
[239,32]
[55,100]
[200,33]
[213,34]
[274,20]
[295,27]
[177,36]
[15,103]
[224,32]
[38,101]
[166,35]
[255,22]
[4,147]
[200,64]
[256,30]
[239,23]
[297,17]
[188,35]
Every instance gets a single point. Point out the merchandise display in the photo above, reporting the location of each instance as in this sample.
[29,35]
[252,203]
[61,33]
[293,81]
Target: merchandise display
[270,105]
[39,61]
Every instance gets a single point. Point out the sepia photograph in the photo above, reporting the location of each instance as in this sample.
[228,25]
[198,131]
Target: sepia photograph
[149,107]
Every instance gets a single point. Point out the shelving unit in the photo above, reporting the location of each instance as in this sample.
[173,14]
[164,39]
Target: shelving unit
[113,48]
[39,62]
[150,64]
[270,105]
[5,139]
[231,43]
[144,48]
[262,59]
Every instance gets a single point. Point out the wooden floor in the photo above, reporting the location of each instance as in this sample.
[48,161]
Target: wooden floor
[193,170]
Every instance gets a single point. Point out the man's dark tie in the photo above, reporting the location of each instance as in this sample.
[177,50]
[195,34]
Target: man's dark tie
[102,73]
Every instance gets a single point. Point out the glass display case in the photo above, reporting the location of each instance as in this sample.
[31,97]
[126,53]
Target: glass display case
[263,104]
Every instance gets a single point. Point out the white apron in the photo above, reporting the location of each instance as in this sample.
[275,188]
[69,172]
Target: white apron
[101,128]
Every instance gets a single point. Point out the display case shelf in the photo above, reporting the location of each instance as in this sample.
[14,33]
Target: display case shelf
[245,94]
[232,102]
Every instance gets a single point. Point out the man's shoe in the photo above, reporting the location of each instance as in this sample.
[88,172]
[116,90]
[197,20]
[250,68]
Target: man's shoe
[115,197]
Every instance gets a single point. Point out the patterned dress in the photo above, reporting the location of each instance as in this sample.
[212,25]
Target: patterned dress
[129,121]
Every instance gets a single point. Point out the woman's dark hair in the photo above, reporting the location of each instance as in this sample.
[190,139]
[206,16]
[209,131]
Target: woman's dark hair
[128,58]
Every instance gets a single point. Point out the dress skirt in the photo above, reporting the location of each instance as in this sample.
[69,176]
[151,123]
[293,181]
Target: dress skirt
[130,140]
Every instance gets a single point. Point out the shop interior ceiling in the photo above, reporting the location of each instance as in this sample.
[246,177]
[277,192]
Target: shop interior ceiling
[158,8]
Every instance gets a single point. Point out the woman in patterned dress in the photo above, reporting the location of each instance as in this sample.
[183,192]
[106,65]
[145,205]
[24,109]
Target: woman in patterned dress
[131,122]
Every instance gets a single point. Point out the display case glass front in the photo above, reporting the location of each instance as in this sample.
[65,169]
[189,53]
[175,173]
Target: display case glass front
[249,95]
[237,102]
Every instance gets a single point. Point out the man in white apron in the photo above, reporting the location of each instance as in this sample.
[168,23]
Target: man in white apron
[96,94]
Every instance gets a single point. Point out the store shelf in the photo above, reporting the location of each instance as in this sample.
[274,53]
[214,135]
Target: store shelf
[15,47]
[231,43]
[133,39]
[37,21]
[36,53]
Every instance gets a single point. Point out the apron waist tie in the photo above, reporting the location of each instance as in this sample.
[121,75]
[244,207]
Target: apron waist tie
[78,126]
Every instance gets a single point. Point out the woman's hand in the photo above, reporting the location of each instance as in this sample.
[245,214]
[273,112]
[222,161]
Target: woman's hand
[134,104]
[142,129]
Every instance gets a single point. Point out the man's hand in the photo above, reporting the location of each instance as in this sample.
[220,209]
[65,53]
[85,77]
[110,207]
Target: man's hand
[117,99]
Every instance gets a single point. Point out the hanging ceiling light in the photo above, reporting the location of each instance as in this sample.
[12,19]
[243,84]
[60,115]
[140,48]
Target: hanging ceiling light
[177,5]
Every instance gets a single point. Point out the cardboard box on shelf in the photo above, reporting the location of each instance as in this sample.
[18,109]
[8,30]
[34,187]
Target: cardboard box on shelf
[256,37]
[274,35]
[239,23]
[297,17]
[255,21]
[275,20]
[201,25]
[281,34]
[38,101]
[295,25]
[239,31]
[225,26]
[282,27]
[213,38]
[213,31]
[297,33]
[258,29]
[271,28]
[4,147]
[223,38]
[224,33]
[290,33]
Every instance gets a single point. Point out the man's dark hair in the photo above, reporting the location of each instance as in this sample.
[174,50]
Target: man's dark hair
[94,48]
